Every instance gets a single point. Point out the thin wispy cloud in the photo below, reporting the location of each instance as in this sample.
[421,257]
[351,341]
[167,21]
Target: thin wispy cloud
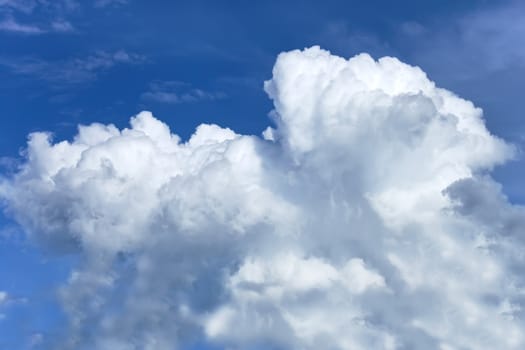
[71,71]
[32,6]
[4,296]
[11,25]
[42,10]
[62,26]
[105,3]
[25,6]
[175,92]
[344,38]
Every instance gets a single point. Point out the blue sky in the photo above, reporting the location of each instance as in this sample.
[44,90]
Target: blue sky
[67,62]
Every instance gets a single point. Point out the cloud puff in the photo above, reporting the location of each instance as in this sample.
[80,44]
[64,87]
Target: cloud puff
[366,219]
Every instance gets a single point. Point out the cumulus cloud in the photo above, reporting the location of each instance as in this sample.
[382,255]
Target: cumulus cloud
[366,219]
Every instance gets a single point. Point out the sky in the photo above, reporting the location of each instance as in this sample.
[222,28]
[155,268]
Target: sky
[316,198]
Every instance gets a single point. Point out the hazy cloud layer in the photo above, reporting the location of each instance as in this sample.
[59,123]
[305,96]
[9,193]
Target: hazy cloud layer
[483,41]
[367,219]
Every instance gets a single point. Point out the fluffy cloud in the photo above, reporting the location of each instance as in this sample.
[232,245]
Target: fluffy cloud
[366,219]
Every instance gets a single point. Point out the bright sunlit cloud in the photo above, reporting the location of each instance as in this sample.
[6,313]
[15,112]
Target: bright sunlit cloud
[365,219]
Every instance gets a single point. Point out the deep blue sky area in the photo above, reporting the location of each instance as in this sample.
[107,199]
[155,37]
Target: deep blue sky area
[67,62]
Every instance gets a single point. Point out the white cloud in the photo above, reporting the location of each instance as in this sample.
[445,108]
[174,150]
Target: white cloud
[367,220]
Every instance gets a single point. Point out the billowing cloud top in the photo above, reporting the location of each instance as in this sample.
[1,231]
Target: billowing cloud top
[365,220]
